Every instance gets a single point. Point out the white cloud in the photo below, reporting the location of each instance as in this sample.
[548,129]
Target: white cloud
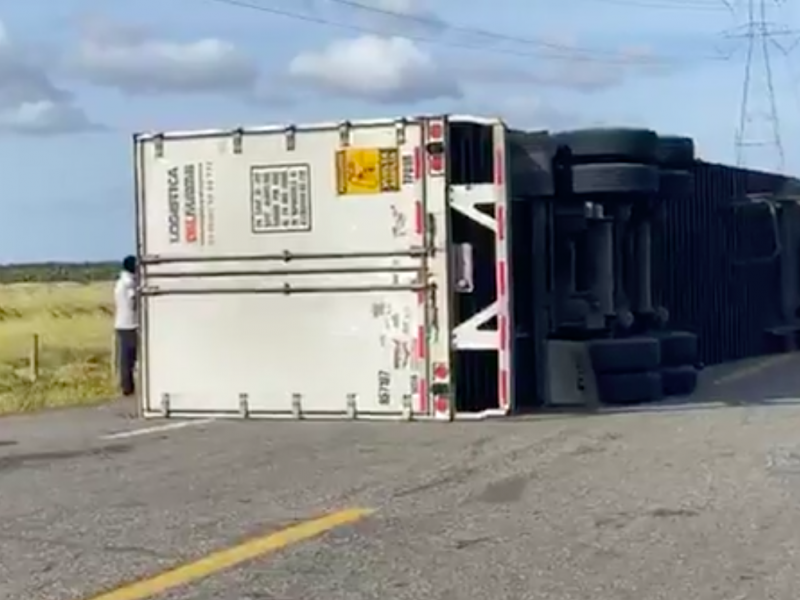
[379,69]
[583,75]
[44,117]
[135,61]
[524,111]
[30,102]
[569,69]
[567,75]
[533,113]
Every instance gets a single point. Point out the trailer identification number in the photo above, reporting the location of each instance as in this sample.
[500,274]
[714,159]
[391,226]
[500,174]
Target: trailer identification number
[367,171]
[384,387]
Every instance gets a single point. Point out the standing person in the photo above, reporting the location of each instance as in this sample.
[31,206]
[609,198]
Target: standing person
[126,324]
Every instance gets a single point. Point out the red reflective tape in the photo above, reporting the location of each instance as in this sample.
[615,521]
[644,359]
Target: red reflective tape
[421,297]
[501,279]
[440,372]
[502,326]
[417,164]
[419,217]
[421,342]
[502,388]
[436,164]
[499,167]
[500,218]
[191,229]
[422,388]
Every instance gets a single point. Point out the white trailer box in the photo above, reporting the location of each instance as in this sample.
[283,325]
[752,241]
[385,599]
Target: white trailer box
[309,271]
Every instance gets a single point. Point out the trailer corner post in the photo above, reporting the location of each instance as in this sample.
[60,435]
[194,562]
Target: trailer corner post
[505,317]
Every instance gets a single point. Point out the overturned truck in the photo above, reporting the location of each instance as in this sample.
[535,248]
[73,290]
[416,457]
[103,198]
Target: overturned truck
[445,267]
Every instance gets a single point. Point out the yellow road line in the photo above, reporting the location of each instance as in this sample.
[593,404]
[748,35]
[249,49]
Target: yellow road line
[234,556]
[756,368]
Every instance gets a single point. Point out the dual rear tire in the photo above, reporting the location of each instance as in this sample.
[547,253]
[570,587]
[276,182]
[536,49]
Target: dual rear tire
[645,369]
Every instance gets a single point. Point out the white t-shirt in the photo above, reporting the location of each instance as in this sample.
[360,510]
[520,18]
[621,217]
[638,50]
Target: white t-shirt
[125,302]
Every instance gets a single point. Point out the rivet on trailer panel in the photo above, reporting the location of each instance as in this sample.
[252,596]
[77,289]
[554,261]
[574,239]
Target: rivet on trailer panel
[344,134]
[290,134]
[400,130]
[238,136]
[297,408]
[244,406]
[352,410]
[158,142]
[165,409]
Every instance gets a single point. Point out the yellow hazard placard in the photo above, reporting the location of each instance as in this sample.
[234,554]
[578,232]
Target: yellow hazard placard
[365,171]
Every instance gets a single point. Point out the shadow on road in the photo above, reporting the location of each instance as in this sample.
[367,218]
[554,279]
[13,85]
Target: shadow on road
[765,381]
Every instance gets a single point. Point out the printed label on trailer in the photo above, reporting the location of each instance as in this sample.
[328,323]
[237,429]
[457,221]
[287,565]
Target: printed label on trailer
[408,169]
[207,188]
[280,198]
[190,193]
[367,171]
[190,203]
[174,205]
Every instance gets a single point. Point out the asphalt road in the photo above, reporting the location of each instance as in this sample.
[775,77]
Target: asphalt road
[674,502]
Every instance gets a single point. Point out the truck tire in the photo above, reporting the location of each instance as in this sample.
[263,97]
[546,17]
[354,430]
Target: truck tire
[679,381]
[625,355]
[674,151]
[619,144]
[675,184]
[629,388]
[678,348]
[614,178]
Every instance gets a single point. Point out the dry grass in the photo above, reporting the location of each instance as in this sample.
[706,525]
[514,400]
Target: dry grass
[75,327]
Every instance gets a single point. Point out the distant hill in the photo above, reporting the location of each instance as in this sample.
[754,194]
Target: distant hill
[52,272]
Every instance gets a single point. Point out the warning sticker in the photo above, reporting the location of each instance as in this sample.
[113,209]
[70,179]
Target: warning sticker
[280,198]
[365,171]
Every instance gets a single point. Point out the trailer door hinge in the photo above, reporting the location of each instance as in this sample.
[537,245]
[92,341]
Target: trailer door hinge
[408,412]
[352,409]
[297,408]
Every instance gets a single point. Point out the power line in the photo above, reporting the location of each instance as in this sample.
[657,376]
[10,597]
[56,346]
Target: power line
[433,22]
[554,50]
[664,4]
[497,36]
[489,34]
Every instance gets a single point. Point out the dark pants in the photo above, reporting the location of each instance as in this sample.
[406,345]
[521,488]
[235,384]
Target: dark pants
[127,351]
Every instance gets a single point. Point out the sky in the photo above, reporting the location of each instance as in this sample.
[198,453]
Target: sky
[79,77]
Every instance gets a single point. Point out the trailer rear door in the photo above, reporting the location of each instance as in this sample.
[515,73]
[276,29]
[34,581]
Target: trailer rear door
[284,271]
